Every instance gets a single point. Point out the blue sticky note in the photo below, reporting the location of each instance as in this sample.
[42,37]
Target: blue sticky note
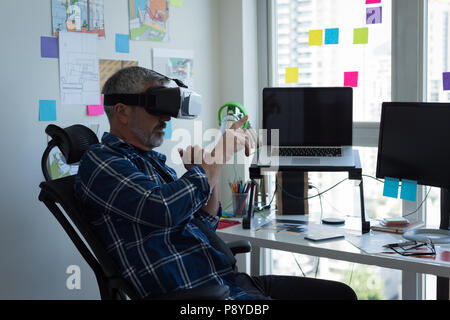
[122,43]
[409,190]
[168,130]
[391,187]
[332,36]
[47,110]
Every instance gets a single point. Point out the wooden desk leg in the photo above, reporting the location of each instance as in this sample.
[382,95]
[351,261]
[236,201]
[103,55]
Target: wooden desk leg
[255,261]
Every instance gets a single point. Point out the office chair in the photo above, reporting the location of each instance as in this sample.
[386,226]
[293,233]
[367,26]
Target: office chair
[73,142]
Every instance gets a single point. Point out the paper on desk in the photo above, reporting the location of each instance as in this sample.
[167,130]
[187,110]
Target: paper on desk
[372,243]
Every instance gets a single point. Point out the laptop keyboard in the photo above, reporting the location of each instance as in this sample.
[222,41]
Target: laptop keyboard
[310,152]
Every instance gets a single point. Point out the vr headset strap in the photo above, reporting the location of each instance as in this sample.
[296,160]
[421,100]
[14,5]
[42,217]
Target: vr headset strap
[129,99]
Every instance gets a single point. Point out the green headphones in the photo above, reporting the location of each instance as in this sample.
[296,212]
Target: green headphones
[231,110]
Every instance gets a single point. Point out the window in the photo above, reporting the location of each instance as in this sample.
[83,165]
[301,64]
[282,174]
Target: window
[438,62]
[326,64]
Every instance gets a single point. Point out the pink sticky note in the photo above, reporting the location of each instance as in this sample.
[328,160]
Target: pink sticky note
[351,79]
[96,110]
[372,1]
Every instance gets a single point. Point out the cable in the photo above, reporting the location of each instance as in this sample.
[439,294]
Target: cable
[312,197]
[418,208]
[372,177]
[298,265]
[351,275]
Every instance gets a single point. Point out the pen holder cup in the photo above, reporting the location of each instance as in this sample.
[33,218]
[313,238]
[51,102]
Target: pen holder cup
[240,204]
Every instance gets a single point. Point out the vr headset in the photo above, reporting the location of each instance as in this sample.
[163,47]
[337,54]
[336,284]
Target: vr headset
[180,103]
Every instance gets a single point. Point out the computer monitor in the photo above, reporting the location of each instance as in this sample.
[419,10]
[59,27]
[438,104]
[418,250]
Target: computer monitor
[309,116]
[414,144]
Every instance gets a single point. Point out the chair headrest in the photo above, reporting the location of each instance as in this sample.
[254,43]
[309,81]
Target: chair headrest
[73,141]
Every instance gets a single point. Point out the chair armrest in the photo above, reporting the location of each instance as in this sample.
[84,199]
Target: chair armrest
[215,292]
[240,246]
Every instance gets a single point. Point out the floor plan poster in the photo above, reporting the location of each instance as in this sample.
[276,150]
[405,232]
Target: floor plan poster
[79,69]
[78,16]
[109,67]
[149,20]
[177,64]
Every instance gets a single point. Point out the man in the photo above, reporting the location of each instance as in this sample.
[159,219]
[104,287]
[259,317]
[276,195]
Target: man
[145,214]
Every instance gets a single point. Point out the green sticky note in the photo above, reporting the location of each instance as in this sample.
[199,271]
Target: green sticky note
[409,190]
[315,37]
[361,36]
[176,3]
[391,187]
[292,75]
[47,110]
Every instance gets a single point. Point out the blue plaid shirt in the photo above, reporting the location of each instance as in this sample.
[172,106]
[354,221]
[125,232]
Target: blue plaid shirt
[146,222]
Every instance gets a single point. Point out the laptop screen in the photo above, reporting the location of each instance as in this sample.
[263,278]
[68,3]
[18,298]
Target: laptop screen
[309,116]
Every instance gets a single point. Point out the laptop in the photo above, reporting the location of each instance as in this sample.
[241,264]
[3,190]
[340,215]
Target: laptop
[307,127]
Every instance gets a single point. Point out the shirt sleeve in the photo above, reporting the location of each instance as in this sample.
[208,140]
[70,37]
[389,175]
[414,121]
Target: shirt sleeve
[110,183]
[211,221]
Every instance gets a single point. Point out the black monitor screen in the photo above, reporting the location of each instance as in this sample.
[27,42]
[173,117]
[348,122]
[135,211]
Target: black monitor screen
[414,143]
[309,116]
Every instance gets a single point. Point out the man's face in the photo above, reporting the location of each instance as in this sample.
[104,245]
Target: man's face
[149,129]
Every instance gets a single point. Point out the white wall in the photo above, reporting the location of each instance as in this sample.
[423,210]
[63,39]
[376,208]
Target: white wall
[35,251]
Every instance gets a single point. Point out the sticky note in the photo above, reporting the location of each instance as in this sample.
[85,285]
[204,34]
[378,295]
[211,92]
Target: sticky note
[372,1]
[391,187]
[315,37]
[374,15]
[332,36]
[176,3]
[122,43]
[168,130]
[96,110]
[292,75]
[351,79]
[49,47]
[446,78]
[47,110]
[409,190]
[361,36]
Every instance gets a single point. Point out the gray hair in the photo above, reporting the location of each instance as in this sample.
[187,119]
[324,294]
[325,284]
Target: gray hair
[131,80]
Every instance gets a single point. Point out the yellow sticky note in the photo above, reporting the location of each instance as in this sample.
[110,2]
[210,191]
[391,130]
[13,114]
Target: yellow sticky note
[176,3]
[292,75]
[315,37]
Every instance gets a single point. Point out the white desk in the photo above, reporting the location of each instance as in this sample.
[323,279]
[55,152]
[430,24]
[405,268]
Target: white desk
[335,249]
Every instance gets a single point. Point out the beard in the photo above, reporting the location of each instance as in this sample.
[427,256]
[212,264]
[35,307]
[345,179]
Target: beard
[151,139]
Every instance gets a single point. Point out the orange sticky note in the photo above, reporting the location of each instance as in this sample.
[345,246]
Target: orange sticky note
[96,110]
[292,75]
[351,79]
[315,37]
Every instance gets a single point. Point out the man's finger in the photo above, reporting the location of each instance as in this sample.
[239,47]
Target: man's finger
[238,124]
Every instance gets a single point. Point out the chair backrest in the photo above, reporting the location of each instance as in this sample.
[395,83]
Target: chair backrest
[73,143]
[111,283]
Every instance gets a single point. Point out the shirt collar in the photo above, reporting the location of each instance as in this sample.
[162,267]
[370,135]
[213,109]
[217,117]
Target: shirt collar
[113,141]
